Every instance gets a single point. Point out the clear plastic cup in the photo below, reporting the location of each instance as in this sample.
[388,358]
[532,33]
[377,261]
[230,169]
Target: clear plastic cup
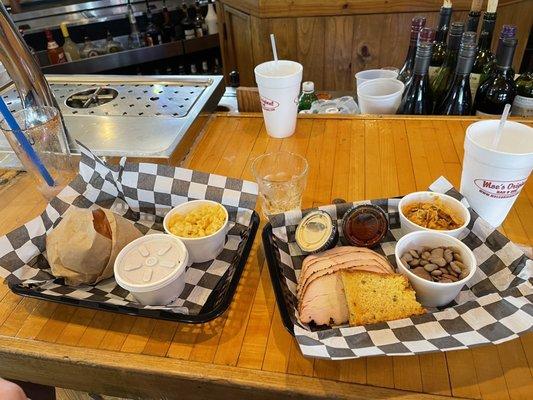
[369,74]
[44,130]
[380,96]
[492,179]
[279,87]
[281,177]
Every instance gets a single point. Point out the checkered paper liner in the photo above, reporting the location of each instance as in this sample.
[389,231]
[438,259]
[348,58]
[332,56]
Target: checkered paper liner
[494,307]
[142,193]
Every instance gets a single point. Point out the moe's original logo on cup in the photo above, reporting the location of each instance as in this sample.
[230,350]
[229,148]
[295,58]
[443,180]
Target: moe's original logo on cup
[499,189]
[268,105]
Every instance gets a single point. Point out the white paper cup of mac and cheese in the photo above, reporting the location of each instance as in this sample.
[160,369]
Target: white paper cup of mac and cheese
[202,248]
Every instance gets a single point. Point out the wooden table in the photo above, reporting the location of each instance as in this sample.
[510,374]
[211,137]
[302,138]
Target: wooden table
[247,353]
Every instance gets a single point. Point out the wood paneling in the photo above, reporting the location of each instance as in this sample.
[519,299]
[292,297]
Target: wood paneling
[333,48]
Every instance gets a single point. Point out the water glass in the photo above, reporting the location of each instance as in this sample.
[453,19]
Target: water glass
[43,128]
[281,177]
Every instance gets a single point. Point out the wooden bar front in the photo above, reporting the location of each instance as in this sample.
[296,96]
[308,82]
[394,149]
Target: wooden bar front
[247,353]
[334,39]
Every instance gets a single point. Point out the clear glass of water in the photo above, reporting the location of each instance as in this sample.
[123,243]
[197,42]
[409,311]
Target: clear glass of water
[281,177]
[43,128]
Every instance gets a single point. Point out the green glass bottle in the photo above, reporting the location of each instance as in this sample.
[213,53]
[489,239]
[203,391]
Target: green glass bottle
[439,47]
[523,102]
[442,80]
[307,97]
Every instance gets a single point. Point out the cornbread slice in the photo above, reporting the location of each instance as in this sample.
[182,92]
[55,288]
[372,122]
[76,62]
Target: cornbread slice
[373,297]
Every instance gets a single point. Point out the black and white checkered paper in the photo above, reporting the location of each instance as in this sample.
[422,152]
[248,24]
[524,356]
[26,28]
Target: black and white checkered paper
[494,307]
[142,193]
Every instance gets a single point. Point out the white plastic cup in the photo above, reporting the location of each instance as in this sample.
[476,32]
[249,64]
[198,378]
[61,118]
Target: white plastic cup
[279,87]
[369,74]
[492,179]
[380,96]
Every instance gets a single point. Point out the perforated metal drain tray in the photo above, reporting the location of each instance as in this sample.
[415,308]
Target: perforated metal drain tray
[147,116]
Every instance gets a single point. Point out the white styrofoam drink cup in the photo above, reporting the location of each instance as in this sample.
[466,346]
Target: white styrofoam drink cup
[492,179]
[380,96]
[369,74]
[279,87]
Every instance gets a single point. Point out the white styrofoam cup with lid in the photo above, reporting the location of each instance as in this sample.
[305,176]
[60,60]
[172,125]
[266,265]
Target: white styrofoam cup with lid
[279,88]
[152,268]
[492,178]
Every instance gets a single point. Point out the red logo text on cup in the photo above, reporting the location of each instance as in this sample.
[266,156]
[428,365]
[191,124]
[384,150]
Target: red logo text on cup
[268,105]
[499,189]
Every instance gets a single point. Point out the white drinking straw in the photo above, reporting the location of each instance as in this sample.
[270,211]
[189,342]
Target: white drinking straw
[274,51]
[499,131]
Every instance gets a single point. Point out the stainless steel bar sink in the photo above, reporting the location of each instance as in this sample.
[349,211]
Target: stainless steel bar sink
[118,115]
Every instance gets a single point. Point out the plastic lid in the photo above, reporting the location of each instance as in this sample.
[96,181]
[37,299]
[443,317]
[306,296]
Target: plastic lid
[308,86]
[150,262]
[316,232]
[364,225]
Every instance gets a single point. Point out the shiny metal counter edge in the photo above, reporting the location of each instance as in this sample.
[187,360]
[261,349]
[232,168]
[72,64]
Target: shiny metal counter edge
[132,136]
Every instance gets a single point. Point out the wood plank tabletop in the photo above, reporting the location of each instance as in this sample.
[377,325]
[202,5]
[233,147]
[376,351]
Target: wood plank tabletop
[247,353]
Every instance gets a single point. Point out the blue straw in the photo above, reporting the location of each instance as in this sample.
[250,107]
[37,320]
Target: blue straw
[26,146]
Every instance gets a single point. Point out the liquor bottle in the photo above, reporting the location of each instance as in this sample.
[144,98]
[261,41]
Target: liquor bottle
[216,68]
[152,36]
[187,22]
[473,16]
[69,47]
[439,48]
[179,33]
[135,36]
[194,70]
[417,23]
[112,46]
[55,52]
[523,102]
[205,68]
[484,54]
[417,98]
[211,19]
[442,79]
[88,50]
[181,70]
[458,99]
[307,97]
[500,88]
[200,27]
[168,31]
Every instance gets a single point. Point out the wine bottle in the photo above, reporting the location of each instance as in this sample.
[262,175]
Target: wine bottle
[473,16]
[484,54]
[152,36]
[205,68]
[458,99]
[216,69]
[55,52]
[443,77]
[168,30]
[187,22]
[417,23]
[439,48]
[200,27]
[135,36]
[508,31]
[500,88]
[417,98]
[70,48]
[523,101]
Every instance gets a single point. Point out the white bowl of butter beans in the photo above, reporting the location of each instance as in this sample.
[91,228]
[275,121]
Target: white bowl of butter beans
[436,264]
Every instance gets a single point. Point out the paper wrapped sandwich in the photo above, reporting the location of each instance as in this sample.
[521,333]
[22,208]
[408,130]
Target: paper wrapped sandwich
[83,247]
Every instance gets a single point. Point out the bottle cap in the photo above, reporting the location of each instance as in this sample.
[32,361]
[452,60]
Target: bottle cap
[316,232]
[308,86]
[468,39]
[426,35]
[508,31]
[364,225]
[457,28]
[64,29]
[417,23]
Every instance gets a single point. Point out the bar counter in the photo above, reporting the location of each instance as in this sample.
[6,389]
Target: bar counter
[246,353]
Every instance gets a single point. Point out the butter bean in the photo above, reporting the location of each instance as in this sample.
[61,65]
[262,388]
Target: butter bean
[430,267]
